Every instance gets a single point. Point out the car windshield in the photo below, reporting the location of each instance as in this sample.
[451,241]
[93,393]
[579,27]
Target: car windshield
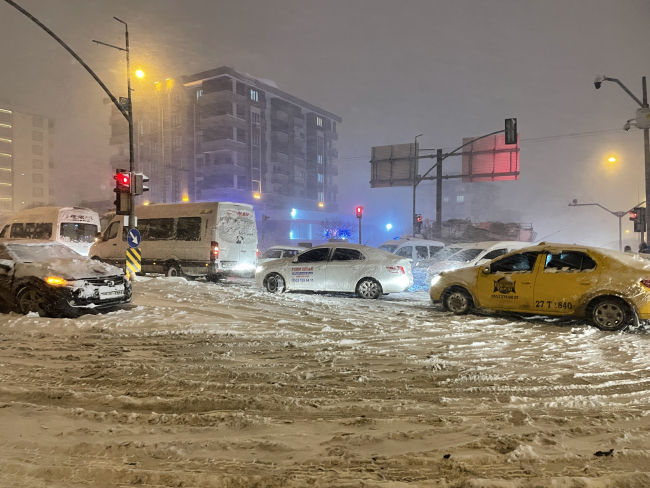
[40,253]
[388,247]
[75,232]
[444,253]
[466,255]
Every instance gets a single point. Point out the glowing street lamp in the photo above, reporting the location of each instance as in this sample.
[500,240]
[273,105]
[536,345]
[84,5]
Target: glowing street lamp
[389,226]
[612,159]
[139,73]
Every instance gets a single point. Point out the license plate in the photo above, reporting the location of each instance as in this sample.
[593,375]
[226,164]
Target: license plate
[109,292]
[228,264]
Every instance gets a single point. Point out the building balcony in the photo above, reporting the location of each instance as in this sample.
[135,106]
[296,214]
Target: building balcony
[334,136]
[221,169]
[279,178]
[332,170]
[278,125]
[221,144]
[119,139]
[332,153]
[215,121]
[298,122]
[220,96]
[332,188]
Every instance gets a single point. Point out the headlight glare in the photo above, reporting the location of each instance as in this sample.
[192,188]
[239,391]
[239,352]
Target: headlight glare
[55,281]
[435,280]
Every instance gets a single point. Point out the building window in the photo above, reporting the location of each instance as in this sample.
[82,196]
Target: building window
[37,121]
[37,136]
[333,126]
[460,198]
[199,94]
[300,175]
[37,150]
[302,135]
[141,127]
[176,120]
[320,177]
[320,196]
[319,123]
[256,139]
[177,97]
[37,163]
[199,139]
[320,159]
[255,118]
[176,142]
[37,192]
[37,178]
[152,125]
[254,95]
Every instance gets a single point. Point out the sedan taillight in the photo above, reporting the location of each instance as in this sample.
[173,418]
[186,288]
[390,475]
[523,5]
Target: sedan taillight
[214,251]
[646,283]
[396,269]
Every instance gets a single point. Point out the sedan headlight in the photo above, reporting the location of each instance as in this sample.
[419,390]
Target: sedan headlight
[435,280]
[259,269]
[56,281]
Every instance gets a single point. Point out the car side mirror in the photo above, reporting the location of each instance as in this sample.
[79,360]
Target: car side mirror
[6,265]
[486,270]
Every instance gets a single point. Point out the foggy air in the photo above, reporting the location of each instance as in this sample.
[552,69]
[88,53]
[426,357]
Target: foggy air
[336,243]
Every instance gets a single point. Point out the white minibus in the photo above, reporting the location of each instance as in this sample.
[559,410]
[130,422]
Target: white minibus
[212,239]
[75,227]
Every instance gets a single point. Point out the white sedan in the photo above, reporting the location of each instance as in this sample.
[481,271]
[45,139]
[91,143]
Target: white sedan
[340,267]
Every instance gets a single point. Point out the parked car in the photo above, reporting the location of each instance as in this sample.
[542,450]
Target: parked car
[55,281]
[277,252]
[75,227]
[212,239]
[610,288]
[414,249]
[338,267]
[474,254]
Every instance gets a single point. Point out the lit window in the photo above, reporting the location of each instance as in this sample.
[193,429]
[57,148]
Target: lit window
[254,95]
[320,159]
[320,196]
[460,198]
[320,177]
[199,94]
[319,121]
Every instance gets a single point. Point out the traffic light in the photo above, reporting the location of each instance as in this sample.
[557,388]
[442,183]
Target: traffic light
[638,217]
[511,131]
[123,192]
[139,180]
[359,211]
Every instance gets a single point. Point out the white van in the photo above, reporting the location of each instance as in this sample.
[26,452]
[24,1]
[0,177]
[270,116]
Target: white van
[212,239]
[418,249]
[75,227]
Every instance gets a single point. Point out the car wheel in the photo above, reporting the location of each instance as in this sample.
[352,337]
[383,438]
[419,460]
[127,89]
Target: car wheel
[32,299]
[369,289]
[173,270]
[610,314]
[274,283]
[458,302]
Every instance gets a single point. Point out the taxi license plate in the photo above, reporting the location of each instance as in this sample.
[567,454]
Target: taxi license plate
[111,292]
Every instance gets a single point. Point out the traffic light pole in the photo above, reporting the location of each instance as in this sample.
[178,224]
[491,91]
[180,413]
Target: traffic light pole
[359,230]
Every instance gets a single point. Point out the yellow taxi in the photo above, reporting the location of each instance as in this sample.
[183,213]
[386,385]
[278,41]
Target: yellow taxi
[609,288]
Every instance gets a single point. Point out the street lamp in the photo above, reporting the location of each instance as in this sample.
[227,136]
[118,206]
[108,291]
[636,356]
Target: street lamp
[618,214]
[139,73]
[612,159]
[642,122]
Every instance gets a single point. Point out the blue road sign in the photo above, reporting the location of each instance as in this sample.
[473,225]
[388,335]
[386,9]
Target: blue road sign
[133,238]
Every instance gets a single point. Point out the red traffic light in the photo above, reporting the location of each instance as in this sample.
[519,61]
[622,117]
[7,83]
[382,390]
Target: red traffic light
[419,218]
[633,215]
[123,179]
[359,211]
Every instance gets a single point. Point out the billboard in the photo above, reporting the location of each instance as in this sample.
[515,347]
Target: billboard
[395,165]
[490,159]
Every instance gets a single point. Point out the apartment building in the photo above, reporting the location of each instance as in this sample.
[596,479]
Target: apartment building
[225,135]
[25,164]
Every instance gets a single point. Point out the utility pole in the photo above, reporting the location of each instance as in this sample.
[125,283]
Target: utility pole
[129,108]
[646,129]
[415,185]
[439,159]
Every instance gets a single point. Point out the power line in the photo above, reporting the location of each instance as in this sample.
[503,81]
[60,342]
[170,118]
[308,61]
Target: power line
[523,141]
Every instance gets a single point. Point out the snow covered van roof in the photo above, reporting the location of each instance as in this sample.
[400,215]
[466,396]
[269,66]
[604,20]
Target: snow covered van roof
[182,209]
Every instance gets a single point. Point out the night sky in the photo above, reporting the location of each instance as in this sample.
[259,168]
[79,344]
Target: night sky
[391,69]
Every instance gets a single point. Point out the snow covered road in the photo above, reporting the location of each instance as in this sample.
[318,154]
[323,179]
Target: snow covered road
[226,385]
